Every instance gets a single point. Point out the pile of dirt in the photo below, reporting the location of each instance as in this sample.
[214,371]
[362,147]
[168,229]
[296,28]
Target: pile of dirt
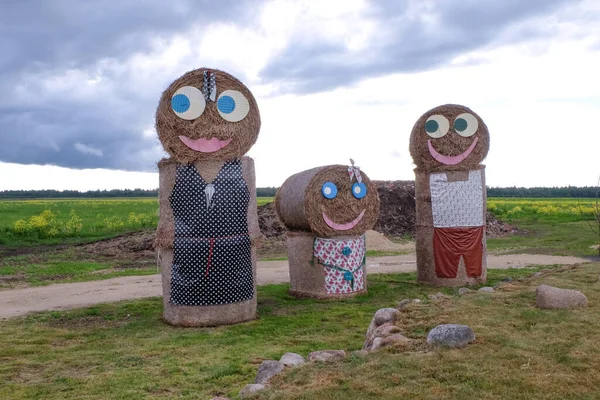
[397,215]
[496,228]
[268,221]
[133,250]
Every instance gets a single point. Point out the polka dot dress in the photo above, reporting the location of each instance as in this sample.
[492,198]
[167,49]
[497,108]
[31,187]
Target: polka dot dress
[212,261]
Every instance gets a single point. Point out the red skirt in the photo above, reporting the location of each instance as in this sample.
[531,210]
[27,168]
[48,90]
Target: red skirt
[449,244]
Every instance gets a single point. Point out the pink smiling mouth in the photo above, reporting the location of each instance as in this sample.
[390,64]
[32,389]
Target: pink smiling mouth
[342,227]
[451,160]
[204,145]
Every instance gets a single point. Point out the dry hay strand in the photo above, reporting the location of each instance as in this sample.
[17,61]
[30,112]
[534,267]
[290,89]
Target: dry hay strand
[210,124]
[300,203]
[451,144]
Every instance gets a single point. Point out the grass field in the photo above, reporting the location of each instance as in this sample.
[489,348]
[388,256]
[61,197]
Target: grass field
[125,351]
[53,221]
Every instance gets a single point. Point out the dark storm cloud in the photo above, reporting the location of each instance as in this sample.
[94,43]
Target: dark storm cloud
[404,43]
[42,122]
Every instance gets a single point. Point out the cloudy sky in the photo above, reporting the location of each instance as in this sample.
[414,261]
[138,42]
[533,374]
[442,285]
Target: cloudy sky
[80,82]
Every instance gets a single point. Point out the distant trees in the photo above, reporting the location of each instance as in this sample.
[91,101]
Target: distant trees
[567,191]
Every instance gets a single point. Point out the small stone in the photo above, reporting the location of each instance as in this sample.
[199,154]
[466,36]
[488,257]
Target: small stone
[463,290]
[251,389]
[486,289]
[436,296]
[360,353]
[376,343]
[292,359]
[416,300]
[384,315]
[537,274]
[507,279]
[553,297]
[382,342]
[403,304]
[267,370]
[385,330]
[327,355]
[451,335]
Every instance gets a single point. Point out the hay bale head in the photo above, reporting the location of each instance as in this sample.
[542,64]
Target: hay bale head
[328,202]
[207,114]
[450,137]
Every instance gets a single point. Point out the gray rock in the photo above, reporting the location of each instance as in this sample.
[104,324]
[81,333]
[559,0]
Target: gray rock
[267,370]
[376,343]
[436,296]
[251,389]
[507,279]
[537,274]
[403,304]
[553,297]
[383,342]
[327,355]
[360,353]
[384,315]
[385,330]
[292,359]
[416,300]
[463,290]
[486,289]
[451,335]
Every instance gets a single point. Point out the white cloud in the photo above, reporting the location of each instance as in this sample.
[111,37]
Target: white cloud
[82,148]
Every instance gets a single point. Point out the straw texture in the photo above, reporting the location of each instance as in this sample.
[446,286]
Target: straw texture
[300,204]
[210,124]
[451,144]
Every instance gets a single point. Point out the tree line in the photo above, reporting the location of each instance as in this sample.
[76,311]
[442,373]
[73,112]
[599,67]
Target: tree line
[568,191]
[61,194]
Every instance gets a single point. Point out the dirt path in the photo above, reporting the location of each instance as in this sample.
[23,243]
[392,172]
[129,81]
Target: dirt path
[75,295]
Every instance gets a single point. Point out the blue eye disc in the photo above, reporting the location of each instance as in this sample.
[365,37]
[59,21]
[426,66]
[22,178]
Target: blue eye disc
[348,276]
[359,190]
[329,190]
[226,104]
[460,124]
[180,103]
[431,126]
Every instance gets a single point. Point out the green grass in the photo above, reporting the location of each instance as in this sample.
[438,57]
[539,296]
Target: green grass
[124,350]
[47,221]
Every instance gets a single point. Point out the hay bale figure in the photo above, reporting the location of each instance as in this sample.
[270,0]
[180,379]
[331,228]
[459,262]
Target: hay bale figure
[327,211]
[447,145]
[207,120]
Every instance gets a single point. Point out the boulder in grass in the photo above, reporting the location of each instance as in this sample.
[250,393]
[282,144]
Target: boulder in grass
[384,315]
[251,389]
[486,289]
[292,359]
[463,290]
[327,355]
[387,341]
[267,370]
[552,297]
[451,335]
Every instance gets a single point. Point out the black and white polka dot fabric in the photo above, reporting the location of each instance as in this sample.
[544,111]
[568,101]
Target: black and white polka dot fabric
[212,262]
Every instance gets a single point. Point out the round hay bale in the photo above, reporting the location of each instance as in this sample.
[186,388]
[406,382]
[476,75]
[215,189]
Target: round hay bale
[210,135]
[302,206]
[460,142]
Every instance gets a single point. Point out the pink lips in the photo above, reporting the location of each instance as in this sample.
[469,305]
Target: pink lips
[342,227]
[451,160]
[204,145]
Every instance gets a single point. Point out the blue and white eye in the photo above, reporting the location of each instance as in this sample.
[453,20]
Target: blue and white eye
[233,106]
[437,126]
[329,190]
[188,103]
[359,190]
[466,125]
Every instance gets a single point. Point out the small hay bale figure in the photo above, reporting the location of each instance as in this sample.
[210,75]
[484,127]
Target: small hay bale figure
[327,211]
[207,120]
[447,145]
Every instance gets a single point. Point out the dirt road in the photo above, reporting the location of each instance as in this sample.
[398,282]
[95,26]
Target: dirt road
[75,295]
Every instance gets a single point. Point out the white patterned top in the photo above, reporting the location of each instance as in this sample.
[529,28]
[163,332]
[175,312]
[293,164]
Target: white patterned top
[456,203]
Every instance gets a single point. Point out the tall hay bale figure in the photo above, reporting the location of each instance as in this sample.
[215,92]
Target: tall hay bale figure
[327,211]
[447,144]
[207,120]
